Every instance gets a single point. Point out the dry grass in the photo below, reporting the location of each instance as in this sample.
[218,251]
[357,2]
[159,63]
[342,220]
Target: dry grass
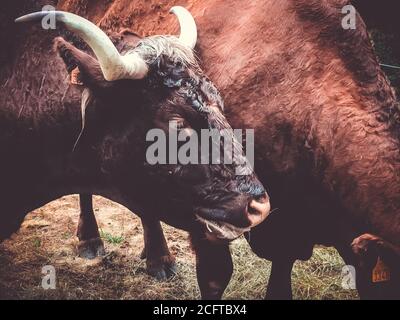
[47,237]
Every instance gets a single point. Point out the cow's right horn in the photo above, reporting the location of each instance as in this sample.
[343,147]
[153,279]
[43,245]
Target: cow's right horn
[188,34]
[113,65]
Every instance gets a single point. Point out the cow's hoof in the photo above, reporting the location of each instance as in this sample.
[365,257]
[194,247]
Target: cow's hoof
[162,268]
[363,244]
[90,249]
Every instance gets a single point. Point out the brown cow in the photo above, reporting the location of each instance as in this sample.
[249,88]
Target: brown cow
[327,127]
[333,143]
[128,90]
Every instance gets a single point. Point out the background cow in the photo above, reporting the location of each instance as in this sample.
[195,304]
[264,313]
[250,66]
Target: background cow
[333,143]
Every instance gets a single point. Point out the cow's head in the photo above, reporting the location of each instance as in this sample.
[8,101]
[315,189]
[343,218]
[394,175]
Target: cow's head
[159,78]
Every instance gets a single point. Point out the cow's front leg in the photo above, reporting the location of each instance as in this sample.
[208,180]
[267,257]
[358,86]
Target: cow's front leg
[160,262]
[214,267]
[90,244]
[280,281]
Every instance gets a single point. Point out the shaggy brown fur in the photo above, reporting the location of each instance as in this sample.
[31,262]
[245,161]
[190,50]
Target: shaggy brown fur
[325,116]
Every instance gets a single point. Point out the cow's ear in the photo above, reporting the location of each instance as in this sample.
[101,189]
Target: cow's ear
[129,36]
[90,74]
[124,40]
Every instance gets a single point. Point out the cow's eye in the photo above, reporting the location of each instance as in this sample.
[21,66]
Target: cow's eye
[180,125]
[178,122]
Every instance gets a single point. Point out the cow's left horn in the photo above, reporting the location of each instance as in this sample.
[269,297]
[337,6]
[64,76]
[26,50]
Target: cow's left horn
[113,65]
[188,26]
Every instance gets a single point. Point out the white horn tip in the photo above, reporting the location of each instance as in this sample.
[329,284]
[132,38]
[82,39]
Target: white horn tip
[176,9]
[188,26]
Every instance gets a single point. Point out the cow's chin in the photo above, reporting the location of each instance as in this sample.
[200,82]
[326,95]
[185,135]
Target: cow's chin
[221,230]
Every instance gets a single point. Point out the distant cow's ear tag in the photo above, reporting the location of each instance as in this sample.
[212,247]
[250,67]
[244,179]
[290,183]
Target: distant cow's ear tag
[75,77]
[381,272]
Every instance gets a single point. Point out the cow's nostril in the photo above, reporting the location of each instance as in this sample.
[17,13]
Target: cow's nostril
[251,209]
[258,209]
[262,198]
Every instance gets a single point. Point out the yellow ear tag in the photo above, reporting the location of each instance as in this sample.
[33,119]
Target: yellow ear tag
[381,272]
[74,77]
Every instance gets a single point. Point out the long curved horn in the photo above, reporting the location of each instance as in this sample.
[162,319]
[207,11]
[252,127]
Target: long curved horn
[113,65]
[188,26]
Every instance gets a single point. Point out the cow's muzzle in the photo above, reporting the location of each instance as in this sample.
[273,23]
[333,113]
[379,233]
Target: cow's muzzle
[229,224]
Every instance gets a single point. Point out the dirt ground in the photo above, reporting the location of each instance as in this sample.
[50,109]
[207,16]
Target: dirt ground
[47,237]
